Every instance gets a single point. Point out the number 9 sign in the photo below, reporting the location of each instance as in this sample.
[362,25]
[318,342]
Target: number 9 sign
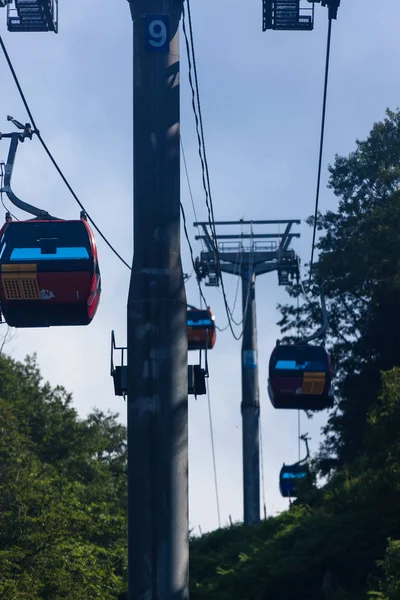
[157,33]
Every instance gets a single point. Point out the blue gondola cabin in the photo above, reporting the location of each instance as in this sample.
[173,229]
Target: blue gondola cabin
[300,377]
[289,478]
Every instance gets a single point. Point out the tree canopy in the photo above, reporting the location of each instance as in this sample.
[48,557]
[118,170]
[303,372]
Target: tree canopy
[339,542]
[358,269]
[62,493]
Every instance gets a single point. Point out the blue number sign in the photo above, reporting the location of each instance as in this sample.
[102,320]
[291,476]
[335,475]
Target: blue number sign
[157,33]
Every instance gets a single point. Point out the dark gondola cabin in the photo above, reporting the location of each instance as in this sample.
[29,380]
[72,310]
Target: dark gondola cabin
[300,377]
[201,329]
[289,479]
[49,273]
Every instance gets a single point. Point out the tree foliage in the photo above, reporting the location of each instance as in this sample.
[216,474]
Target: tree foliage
[358,268]
[62,493]
[331,547]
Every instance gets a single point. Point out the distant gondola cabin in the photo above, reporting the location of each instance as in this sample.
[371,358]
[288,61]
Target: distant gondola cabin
[49,273]
[201,330]
[289,478]
[300,377]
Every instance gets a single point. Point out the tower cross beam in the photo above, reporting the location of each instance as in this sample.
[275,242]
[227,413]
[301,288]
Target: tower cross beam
[247,236]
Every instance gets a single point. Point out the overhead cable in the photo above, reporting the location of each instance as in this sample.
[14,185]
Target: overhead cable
[213,452]
[321,145]
[50,154]
[191,56]
[185,229]
[262,469]
[190,188]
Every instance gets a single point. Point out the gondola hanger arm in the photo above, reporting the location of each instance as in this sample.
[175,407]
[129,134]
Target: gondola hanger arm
[305,439]
[16,137]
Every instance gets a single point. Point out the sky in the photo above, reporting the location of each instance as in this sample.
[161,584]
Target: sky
[261,96]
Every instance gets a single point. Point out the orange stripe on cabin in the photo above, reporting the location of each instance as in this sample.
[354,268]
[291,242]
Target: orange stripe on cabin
[20,282]
[313,384]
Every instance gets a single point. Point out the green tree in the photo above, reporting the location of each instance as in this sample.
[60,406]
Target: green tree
[329,549]
[62,493]
[389,587]
[359,268]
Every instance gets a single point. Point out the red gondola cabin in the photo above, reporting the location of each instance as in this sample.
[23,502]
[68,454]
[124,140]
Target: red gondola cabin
[300,377]
[200,329]
[49,273]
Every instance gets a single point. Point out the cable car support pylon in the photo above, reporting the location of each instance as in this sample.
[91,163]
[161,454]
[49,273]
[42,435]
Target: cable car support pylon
[248,255]
[157,376]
